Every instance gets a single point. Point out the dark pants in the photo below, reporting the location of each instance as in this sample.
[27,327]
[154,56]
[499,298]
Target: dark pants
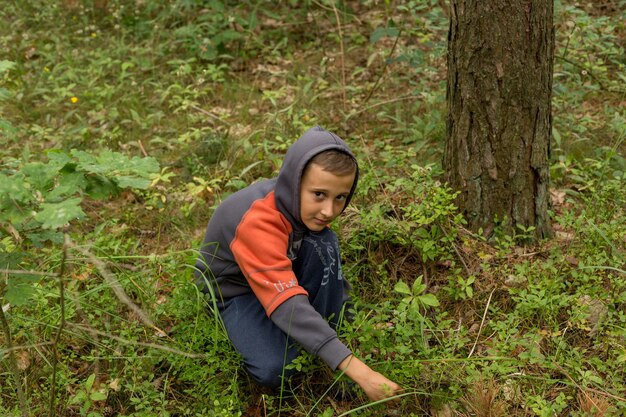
[264,347]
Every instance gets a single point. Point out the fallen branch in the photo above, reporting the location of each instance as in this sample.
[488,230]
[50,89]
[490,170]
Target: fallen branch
[115,285]
[91,330]
[209,114]
[482,322]
[582,390]
[22,272]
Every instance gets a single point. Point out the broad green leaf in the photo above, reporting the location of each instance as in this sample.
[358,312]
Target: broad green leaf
[226,36]
[88,162]
[429,300]
[8,129]
[422,232]
[5,94]
[19,294]
[15,188]
[380,33]
[557,136]
[55,215]
[402,288]
[10,260]
[418,287]
[124,171]
[415,305]
[90,380]
[100,188]
[98,396]
[135,116]
[6,65]
[40,175]
[38,239]
[58,159]
[125,181]
[20,288]
[69,184]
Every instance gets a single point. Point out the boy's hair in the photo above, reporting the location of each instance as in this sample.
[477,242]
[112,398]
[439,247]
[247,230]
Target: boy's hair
[335,162]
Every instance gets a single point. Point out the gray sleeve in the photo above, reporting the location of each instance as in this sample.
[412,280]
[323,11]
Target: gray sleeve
[298,319]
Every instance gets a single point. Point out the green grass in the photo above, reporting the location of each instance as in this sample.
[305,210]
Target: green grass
[216,93]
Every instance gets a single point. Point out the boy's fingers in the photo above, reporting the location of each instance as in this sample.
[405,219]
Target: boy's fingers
[389,389]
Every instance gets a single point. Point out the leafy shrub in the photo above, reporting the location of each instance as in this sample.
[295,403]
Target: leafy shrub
[38,199]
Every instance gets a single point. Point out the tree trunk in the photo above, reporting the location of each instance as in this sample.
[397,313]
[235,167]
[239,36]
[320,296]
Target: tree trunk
[500,59]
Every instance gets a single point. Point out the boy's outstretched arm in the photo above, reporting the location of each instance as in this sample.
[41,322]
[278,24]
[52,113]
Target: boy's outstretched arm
[375,384]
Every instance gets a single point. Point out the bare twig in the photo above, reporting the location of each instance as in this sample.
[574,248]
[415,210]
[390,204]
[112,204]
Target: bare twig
[115,285]
[596,391]
[143,150]
[482,322]
[584,70]
[22,272]
[57,337]
[92,331]
[211,115]
[369,95]
[23,347]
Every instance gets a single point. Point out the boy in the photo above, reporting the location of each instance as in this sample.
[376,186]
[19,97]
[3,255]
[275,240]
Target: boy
[272,264]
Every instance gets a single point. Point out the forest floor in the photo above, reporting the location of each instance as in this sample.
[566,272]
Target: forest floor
[199,99]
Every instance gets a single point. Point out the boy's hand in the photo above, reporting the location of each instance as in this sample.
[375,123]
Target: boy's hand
[378,387]
[375,385]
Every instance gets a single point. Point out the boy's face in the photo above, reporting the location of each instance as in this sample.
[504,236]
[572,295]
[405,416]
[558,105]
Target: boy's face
[323,196]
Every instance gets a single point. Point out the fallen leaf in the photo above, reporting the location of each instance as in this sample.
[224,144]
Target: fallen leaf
[115,385]
[23,360]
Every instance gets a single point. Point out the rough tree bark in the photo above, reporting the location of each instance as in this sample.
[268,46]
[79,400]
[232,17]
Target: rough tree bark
[500,60]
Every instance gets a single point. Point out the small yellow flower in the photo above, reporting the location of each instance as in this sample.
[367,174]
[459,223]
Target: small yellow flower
[93,34]
[46,69]
[74,99]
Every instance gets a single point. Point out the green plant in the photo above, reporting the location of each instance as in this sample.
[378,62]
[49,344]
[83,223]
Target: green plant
[415,298]
[38,199]
[87,396]
[461,288]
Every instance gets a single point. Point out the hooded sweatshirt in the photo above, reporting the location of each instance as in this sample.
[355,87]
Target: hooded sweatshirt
[252,238]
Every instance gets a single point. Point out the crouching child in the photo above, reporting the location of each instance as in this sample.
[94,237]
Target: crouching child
[272,263]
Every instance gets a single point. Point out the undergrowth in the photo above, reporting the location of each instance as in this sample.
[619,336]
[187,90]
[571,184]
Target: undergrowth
[126,122]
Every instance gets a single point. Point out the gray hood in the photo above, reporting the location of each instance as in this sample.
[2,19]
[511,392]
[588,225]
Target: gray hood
[287,191]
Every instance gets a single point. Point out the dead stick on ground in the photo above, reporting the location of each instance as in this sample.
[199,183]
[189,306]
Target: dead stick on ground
[481,323]
[143,150]
[23,272]
[597,391]
[211,115]
[92,331]
[576,384]
[23,347]
[115,285]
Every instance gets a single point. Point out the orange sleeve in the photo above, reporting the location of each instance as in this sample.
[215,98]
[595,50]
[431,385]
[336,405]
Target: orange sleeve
[260,249]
